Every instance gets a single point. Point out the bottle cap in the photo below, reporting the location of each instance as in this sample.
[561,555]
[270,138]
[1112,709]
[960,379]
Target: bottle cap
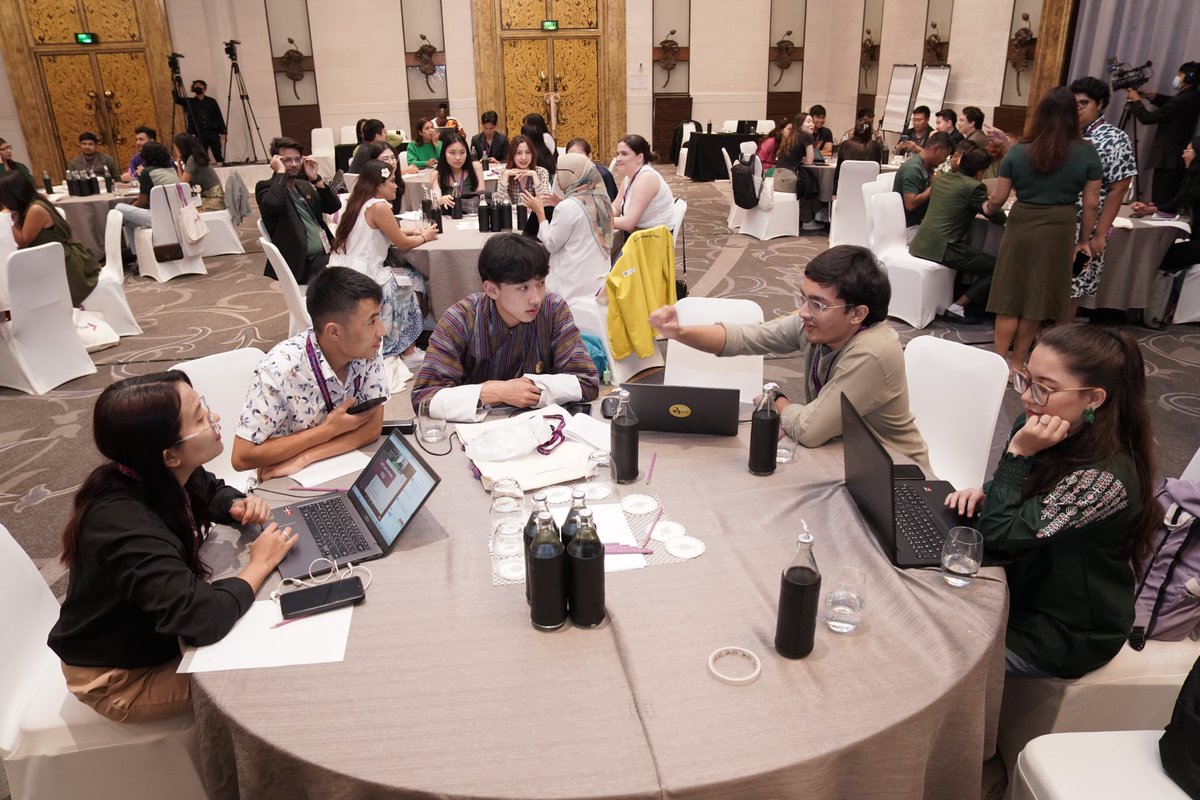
[729,658]
[544,516]
[805,538]
[585,513]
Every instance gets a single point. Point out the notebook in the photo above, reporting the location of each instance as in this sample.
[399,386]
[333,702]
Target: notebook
[684,409]
[363,523]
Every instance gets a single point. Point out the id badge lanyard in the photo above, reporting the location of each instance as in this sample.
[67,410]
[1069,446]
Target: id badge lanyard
[315,364]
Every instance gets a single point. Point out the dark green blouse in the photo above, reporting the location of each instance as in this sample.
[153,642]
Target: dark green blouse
[1058,188]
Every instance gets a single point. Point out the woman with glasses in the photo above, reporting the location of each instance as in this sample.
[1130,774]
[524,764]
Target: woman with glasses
[138,586]
[1071,502]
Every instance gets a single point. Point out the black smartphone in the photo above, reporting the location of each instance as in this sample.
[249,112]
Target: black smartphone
[579,408]
[1081,261]
[406,427]
[324,597]
[366,405]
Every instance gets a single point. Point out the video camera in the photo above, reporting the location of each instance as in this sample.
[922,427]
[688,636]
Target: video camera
[1123,76]
[231,49]
[173,62]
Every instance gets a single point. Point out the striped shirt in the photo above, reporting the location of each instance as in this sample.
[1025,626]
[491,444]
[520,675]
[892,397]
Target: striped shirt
[472,344]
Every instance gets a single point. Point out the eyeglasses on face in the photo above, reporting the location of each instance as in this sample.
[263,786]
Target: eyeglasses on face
[211,426]
[815,306]
[1039,393]
[293,160]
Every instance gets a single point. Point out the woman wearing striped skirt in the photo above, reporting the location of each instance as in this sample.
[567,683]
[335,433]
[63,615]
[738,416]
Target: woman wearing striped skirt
[1049,169]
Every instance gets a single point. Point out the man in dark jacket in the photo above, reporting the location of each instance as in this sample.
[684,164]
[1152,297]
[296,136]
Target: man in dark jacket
[1176,117]
[293,210]
[204,120]
[489,143]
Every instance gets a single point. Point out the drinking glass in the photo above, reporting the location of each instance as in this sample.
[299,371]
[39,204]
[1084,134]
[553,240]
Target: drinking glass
[785,450]
[961,555]
[600,485]
[431,429]
[508,517]
[846,598]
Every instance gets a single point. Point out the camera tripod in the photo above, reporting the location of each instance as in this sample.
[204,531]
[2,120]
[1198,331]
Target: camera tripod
[1126,118]
[235,74]
[181,99]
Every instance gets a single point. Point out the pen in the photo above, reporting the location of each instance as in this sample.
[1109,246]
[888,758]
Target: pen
[650,471]
[281,623]
[626,549]
[654,524]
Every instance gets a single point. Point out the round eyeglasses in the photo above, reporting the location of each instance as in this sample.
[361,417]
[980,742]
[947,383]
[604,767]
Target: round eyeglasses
[815,306]
[1039,392]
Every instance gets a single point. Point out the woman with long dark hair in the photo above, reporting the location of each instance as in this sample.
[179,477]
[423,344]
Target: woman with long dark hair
[796,152]
[534,128]
[138,585]
[457,171]
[769,146]
[1049,169]
[1072,501]
[644,200]
[192,160]
[523,173]
[364,233]
[36,222]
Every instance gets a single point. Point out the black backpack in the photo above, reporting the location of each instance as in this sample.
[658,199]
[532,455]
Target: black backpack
[741,176]
[1179,747]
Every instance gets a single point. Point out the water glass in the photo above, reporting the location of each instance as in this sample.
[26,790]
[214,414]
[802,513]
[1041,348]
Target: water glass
[846,598]
[508,516]
[431,429]
[785,451]
[961,555]
[600,486]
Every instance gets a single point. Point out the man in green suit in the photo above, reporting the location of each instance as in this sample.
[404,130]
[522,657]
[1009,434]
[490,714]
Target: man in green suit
[954,200]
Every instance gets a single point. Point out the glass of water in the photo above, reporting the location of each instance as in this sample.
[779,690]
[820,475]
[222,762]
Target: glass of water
[431,429]
[961,555]
[847,595]
[785,450]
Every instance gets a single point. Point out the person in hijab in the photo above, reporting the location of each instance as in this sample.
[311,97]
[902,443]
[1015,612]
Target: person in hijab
[580,235]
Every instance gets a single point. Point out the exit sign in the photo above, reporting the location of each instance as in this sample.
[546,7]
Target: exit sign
[549,24]
[86,38]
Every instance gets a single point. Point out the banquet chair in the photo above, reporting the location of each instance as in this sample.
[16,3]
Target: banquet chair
[678,212]
[920,289]
[848,217]
[783,218]
[737,214]
[54,746]
[1109,765]
[222,238]
[869,190]
[1187,307]
[262,230]
[612,165]
[1192,471]
[403,160]
[322,150]
[164,230]
[687,366]
[681,166]
[728,164]
[109,295]
[40,349]
[349,135]
[729,126]
[223,379]
[591,317]
[954,392]
[887,179]
[1134,691]
[350,178]
[764,126]
[293,295]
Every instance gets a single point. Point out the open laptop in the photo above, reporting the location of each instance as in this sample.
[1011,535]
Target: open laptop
[684,409]
[907,516]
[363,523]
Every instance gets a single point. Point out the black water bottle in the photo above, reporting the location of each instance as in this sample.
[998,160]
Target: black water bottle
[585,567]
[85,185]
[540,504]
[46,184]
[485,216]
[764,432]
[108,179]
[93,183]
[522,216]
[623,439]
[547,576]
[456,210]
[799,601]
[437,217]
[73,184]
[498,217]
[571,523]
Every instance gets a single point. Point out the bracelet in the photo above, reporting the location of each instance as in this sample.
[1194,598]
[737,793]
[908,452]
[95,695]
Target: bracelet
[734,652]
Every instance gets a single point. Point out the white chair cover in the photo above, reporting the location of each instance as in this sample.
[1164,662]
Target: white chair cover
[680,167]
[1187,308]
[109,295]
[687,366]
[764,126]
[869,190]
[223,380]
[222,238]
[678,212]
[39,348]
[163,230]
[848,219]
[920,289]
[729,126]
[322,150]
[1109,765]
[350,178]
[348,135]
[954,391]
[783,218]
[728,164]
[293,295]
[592,318]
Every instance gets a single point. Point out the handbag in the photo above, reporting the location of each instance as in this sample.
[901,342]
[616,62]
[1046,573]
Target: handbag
[172,251]
[191,224]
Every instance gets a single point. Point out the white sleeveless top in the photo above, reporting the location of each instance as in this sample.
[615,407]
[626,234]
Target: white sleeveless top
[659,211]
[366,248]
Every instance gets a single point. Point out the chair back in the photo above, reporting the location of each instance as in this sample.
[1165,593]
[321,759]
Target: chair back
[764,126]
[350,178]
[687,366]
[848,221]
[728,163]
[293,296]
[223,380]
[37,282]
[403,160]
[678,212]
[887,221]
[30,610]
[687,134]
[869,190]
[322,142]
[954,392]
[349,136]
[730,126]
[888,180]
[592,318]
[1192,471]
[164,211]
[113,227]
[262,229]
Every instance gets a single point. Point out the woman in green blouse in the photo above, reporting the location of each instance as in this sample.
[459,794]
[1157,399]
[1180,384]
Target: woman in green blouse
[7,164]
[1071,502]
[424,149]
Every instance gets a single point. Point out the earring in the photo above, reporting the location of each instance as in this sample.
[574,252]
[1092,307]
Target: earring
[1089,415]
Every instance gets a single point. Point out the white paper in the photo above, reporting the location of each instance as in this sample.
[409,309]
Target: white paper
[1122,222]
[589,430]
[328,469]
[612,528]
[1167,223]
[254,643]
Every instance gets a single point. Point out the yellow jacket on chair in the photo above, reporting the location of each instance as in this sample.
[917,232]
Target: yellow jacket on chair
[642,280]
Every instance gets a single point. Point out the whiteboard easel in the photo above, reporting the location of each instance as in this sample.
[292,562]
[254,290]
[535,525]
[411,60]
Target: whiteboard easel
[932,91]
[895,112]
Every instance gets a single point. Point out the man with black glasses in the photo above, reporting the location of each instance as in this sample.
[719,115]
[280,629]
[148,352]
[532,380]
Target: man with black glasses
[293,204]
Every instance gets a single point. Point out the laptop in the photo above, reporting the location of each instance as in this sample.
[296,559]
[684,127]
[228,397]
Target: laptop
[363,523]
[684,409]
[907,516]
[444,132]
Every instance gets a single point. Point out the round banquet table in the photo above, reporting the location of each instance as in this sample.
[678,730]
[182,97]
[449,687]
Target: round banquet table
[446,690]
[450,263]
[87,216]
[704,160]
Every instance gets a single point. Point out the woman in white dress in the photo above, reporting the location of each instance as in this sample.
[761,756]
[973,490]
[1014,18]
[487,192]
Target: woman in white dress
[580,236]
[645,200]
[366,230]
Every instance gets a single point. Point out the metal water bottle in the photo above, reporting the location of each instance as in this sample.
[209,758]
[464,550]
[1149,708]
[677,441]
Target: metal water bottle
[623,441]
[764,432]
[799,601]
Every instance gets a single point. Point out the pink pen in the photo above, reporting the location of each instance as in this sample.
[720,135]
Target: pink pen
[650,471]
[650,532]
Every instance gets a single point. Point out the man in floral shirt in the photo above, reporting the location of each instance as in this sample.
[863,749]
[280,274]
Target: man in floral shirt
[297,408]
[1116,157]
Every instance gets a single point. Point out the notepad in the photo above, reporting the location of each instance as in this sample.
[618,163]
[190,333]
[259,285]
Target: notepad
[329,469]
[254,643]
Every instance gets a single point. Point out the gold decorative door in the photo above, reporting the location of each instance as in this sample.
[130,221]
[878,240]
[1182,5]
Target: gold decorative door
[108,88]
[574,76]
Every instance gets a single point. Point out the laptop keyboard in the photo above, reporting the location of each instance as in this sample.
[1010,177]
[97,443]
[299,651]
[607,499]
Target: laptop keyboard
[333,529]
[915,522]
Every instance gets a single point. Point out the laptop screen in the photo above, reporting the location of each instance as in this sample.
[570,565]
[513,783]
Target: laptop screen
[868,475]
[392,488]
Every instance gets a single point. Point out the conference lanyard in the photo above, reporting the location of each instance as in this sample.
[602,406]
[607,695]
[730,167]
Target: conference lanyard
[815,377]
[320,376]
[629,189]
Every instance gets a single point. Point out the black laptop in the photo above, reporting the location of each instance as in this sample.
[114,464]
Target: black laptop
[684,409]
[907,516]
[364,522]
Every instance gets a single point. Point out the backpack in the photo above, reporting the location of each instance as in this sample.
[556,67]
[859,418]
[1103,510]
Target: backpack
[1179,747]
[1167,604]
[742,178]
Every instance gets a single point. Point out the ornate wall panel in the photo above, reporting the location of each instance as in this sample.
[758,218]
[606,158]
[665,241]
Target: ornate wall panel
[575,13]
[522,15]
[576,69]
[113,20]
[523,60]
[53,21]
[75,103]
[128,98]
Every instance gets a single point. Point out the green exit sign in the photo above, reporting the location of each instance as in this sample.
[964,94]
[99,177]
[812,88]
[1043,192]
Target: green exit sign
[549,24]
[86,38]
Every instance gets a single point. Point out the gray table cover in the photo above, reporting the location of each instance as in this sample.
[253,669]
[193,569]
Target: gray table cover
[450,262]
[447,691]
[87,217]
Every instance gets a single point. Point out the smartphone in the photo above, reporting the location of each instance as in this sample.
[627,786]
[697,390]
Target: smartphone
[366,405]
[325,597]
[405,426]
[1081,261]
[579,408]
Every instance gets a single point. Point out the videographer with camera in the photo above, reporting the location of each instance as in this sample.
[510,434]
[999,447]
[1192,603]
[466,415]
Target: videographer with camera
[204,119]
[1176,117]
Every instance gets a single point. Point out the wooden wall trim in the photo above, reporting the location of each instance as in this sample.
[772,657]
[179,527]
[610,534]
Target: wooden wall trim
[1053,50]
